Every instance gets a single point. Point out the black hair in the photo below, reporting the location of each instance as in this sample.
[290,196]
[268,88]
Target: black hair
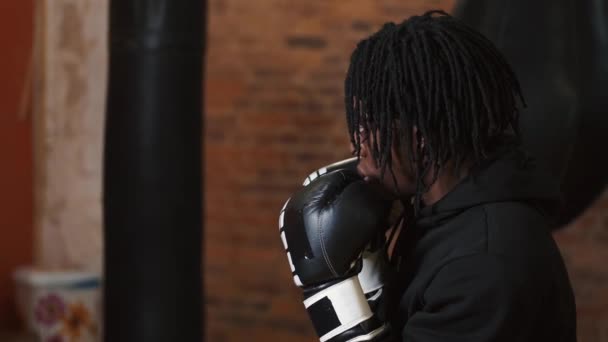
[434,73]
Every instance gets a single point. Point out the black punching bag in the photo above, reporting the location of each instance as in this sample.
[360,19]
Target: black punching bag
[586,175]
[152,200]
[552,46]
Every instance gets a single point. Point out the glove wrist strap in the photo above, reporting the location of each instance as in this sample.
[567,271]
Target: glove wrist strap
[338,308]
[371,273]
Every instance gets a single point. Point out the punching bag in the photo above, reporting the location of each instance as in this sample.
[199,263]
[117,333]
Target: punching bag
[586,175]
[152,200]
[552,45]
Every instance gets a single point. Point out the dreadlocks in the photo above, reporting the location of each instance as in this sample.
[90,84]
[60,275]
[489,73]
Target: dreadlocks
[434,73]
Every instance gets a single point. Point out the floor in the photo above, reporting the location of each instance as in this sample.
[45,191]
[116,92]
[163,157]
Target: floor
[16,337]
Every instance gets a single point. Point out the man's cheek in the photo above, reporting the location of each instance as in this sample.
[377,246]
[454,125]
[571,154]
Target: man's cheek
[373,172]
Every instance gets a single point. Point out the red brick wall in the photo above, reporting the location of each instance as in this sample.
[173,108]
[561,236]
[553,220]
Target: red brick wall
[16,202]
[584,245]
[274,113]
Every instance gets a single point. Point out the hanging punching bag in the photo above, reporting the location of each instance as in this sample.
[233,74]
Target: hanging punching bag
[586,175]
[544,40]
[152,201]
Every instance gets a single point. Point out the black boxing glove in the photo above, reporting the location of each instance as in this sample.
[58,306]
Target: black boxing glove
[374,259]
[325,227]
[346,164]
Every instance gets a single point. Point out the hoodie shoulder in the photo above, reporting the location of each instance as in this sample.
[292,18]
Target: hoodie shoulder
[516,228]
[499,228]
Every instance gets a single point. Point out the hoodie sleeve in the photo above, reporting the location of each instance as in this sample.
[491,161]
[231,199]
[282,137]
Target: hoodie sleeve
[474,298]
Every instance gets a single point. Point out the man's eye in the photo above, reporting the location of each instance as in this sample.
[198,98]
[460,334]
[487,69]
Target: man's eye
[362,134]
[362,131]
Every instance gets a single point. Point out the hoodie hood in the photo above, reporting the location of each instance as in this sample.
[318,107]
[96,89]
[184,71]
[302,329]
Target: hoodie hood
[510,177]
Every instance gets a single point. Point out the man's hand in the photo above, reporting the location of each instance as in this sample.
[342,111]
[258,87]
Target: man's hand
[374,257]
[325,228]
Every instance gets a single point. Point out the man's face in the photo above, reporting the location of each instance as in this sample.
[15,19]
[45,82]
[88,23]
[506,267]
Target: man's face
[369,169]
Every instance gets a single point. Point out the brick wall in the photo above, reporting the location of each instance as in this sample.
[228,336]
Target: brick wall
[584,245]
[16,202]
[274,113]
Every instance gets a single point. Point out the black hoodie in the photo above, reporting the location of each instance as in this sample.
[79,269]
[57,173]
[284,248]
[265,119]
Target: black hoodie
[481,264]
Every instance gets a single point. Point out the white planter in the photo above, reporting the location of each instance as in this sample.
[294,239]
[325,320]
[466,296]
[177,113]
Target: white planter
[60,306]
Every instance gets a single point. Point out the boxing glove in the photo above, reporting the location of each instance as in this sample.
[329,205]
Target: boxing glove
[374,259]
[346,164]
[325,228]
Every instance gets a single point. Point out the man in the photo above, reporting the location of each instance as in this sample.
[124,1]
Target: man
[432,110]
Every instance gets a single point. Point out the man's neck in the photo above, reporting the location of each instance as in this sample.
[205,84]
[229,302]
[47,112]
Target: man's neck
[446,181]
